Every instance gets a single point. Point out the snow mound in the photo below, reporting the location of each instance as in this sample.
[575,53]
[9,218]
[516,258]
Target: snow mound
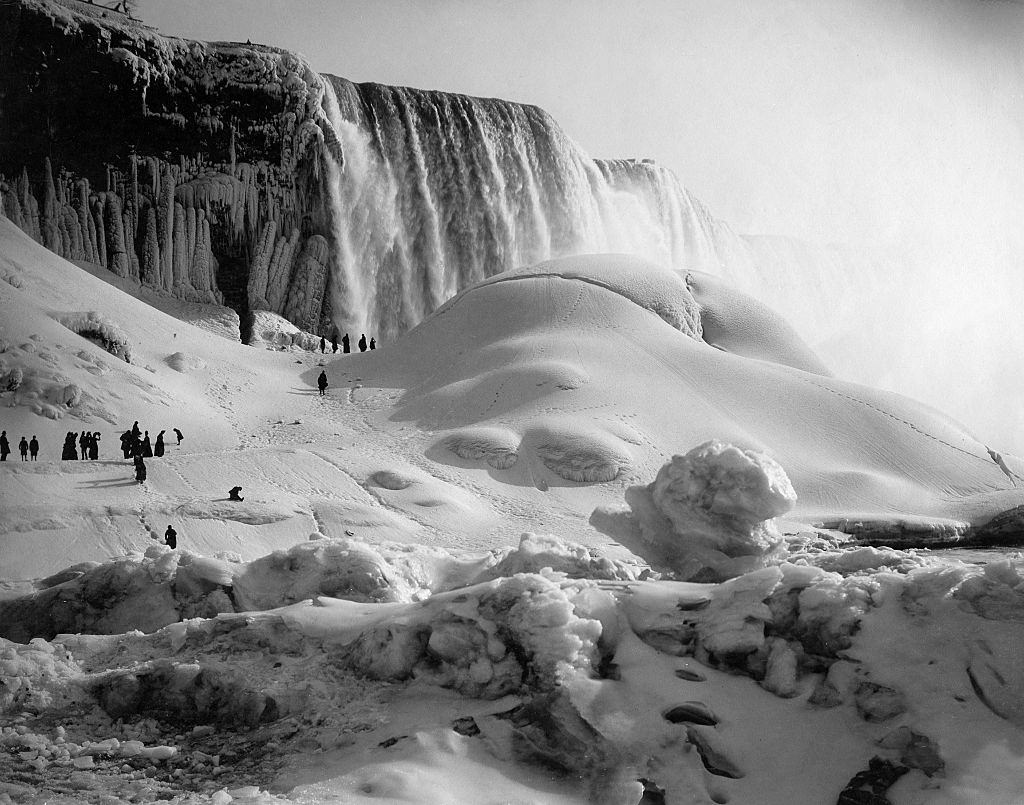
[708,514]
[498,447]
[575,453]
[97,327]
[183,362]
[271,331]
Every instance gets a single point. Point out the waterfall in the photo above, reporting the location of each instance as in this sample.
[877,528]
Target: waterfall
[438,191]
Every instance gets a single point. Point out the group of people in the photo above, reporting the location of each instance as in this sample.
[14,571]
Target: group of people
[136,445]
[346,344]
[25,447]
[85,445]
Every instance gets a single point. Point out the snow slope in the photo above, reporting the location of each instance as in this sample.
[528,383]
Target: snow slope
[531,402]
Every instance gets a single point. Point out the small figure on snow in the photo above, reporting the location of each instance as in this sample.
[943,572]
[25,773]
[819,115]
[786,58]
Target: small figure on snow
[179,435]
[94,446]
[158,448]
[23,448]
[233,493]
[345,348]
[69,452]
[323,345]
[147,446]
[33,447]
[83,446]
[140,469]
[373,343]
[334,342]
[171,537]
[5,446]
[136,430]
[322,382]
[362,343]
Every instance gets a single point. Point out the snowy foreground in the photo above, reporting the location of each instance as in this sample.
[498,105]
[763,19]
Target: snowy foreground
[371,624]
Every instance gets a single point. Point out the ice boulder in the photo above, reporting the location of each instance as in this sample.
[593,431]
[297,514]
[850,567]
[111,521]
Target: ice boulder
[708,515]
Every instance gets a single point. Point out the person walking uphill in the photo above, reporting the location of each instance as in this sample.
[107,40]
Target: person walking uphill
[171,537]
[5,446]
[33,447]
[322,382]
[23,448]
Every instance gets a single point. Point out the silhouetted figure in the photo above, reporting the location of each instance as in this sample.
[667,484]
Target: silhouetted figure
[33,447]
[83,446]
[140,469]
[373,343]
[362,343]
[158,448]
[322,382]
[69,452]
[179,435]
[94,446]
[5,446]
[171,537]
[147,447]
[334,342]
[345,349]
[126,443]
[136,430]
[233,493]
[323,345]
[23,448]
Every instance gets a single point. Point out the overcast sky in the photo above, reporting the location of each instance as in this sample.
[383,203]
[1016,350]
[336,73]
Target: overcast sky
[888,124]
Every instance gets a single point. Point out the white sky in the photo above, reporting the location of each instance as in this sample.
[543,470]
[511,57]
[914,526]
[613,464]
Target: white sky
[895,124]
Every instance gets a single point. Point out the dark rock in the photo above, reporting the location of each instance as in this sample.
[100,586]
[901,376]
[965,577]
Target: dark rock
[916,750]
[466,726]
[713,758]
[870,786]
[691,713]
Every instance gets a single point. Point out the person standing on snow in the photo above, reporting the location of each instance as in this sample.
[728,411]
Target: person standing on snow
[33,447]
[362,343]
[321,382]
[323,345]
[178,433]
[158,448]
[345,345]
[171,537]
[23,448]
[5,446]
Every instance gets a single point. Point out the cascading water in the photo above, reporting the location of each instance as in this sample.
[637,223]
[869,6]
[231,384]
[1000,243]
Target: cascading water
[439,191]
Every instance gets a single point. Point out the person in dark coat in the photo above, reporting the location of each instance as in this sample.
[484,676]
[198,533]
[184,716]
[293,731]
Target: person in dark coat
[83,445]
[5,446]
[323,345]
[23,448]
[322,382]
[33,447]
[179,434]
[345,348]
[158,448]
[362,343]
[140,469]
[334,342]
[126,443]
[147,447]
[373,343]
[94,446]
[171,537]
[69,452]
[233,493]
[136,430]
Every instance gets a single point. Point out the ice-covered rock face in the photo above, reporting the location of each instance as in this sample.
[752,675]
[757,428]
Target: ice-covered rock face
[708,514]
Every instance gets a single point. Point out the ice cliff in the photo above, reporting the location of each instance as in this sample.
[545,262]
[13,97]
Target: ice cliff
[235,173]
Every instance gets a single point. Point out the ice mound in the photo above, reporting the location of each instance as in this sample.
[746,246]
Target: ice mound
[708,514]
[97,327]
[498,447]
[272,331]
[183,362]
[577,453]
